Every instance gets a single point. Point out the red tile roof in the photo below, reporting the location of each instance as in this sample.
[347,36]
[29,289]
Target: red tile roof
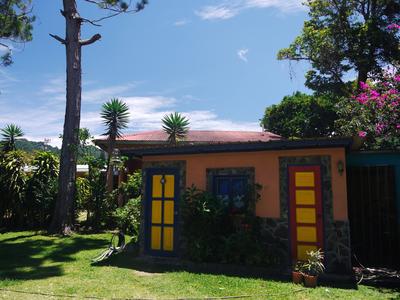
[204,136]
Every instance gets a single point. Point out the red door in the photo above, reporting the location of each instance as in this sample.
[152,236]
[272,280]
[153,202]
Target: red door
[305,210]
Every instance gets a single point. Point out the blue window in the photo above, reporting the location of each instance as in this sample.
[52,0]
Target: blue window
[232,190]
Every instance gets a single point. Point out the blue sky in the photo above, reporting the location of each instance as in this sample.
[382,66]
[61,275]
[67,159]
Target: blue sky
[213,60]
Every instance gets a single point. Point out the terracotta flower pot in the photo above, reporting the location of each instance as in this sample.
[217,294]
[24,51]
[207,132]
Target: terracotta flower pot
[297,277]
[310,281]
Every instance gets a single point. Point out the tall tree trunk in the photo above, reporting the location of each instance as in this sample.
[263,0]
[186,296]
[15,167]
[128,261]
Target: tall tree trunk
[64,215]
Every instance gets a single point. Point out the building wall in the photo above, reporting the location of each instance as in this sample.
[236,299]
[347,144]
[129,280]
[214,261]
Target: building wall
[266,164]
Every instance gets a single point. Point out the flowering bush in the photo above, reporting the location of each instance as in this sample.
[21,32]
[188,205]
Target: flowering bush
[374,114]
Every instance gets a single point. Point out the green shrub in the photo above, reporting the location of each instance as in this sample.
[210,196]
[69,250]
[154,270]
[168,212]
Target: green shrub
[12,188]
[132,188]
[128,217]
[42,189]
[211,234]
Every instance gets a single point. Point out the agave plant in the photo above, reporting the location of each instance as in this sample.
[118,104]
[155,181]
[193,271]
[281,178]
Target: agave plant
[115,115]
[176,126]
[10,133]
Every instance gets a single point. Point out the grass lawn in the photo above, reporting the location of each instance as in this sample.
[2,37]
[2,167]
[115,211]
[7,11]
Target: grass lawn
[31,262]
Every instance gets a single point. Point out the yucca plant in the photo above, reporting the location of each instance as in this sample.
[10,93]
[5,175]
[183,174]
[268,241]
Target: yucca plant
[115,115]
[10,134]
[176,126]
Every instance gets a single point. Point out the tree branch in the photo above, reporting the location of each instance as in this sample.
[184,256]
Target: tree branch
[115,11]
[92,40]
[61,40]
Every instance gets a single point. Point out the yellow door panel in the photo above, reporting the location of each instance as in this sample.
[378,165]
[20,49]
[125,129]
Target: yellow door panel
[305,197]
[156,237]
[169,212]
[306,234]
[169,186]
[156,211]
[168,239]
[304,179]
[305,215]
[157,186]
[302,251]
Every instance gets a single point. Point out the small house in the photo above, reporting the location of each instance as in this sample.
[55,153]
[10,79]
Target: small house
[303,191]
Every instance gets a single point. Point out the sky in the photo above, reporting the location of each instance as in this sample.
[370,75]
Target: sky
[212,60]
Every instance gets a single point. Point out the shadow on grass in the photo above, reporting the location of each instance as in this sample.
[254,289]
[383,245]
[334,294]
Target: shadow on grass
[162,265]
[26,257]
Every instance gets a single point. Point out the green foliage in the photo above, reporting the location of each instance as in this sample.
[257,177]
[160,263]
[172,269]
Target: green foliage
[83,193]
[128,217]
[213,235]
[176,126]
[9,135]
[42,189]
[93,198]
[132,187]
[12,188]
[314,263]
[301,116]
[342,37]
[15,26]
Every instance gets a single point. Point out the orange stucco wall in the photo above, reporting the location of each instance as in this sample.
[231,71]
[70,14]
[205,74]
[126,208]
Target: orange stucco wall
[266,164]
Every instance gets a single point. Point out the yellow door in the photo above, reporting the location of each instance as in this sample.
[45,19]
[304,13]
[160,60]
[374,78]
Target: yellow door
[162,213]
[305,210]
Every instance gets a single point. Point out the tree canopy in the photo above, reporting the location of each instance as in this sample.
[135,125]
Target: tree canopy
[343,37]
[301,116]
[15,27]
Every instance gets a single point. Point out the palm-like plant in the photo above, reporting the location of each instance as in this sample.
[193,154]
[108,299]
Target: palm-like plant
[176,126]
[10,133]
[115,115]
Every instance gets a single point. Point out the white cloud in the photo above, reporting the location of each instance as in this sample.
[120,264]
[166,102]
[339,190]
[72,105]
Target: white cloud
[242,54]
[221,12]
[44,119]
[180,23]
[229,9]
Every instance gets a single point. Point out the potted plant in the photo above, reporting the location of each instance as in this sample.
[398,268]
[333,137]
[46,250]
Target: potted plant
[297,275]
[312,267]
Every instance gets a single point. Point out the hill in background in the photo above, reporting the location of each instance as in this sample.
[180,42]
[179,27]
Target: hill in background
[32,146]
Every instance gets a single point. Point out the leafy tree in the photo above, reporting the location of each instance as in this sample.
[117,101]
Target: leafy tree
[115,115]
[176,126]
[301,116]
[373,114]
[15,26]
[343,37]
[10,134]
[64,215]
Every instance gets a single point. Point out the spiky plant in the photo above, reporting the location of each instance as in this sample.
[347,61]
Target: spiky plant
[115,115]
[176,126]
[10,134]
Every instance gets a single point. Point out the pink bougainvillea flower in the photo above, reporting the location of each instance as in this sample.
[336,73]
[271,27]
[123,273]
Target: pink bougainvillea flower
[393,26]
[398,126]
[362,134]
[397,78]
[379,128]
[374,94]
[364,85]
